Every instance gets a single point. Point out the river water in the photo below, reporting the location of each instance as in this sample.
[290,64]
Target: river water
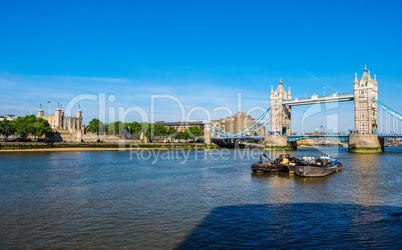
[196,199]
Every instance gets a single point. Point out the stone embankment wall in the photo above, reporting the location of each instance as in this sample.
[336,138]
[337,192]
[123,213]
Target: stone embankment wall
[82,146]
[277,142]
[365,143]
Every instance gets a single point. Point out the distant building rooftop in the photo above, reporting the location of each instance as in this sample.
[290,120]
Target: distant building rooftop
[8,117]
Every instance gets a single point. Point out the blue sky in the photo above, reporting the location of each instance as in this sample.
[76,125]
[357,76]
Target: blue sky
[203,52]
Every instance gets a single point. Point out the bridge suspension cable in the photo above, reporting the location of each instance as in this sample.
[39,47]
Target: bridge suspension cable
[262,126]
[392,119]
[252,125]
[388,110]
[217,132]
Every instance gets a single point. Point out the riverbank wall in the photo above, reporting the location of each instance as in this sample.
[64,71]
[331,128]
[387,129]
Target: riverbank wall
[365,143]
[278,142]
[41,146]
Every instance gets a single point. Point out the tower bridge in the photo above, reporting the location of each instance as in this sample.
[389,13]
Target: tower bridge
[365,137]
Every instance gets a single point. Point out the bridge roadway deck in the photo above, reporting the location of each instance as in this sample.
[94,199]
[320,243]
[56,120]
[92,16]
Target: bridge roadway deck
[238,138]
[340,137]
[319,99]
[390,135]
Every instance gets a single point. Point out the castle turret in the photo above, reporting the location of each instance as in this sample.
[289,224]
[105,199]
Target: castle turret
[40,111]
[59,118]
[79,115]
[79,112]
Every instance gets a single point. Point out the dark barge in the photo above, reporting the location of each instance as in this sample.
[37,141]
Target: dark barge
[284,163]
[308,167]
[318,168]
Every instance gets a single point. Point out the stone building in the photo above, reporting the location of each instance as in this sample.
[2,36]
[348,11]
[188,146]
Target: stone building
[238,122]
[280,114]
[366,116]
[66,128]
[61,122]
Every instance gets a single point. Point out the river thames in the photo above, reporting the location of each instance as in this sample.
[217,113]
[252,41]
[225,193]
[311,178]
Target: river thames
[196,199]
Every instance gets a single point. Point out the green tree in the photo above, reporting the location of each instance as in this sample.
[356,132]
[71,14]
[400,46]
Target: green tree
[41,127]
[172,132]
[146,129]
[183,136]
[179,135]
[30,125]
[160,130]
[194,132]
[151,130]
[134,127]
[7,128]
[117,128]
[24,126]
[30,121]
[96,126]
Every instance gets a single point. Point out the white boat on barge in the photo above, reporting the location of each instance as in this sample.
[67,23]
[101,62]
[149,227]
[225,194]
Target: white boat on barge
[318,168]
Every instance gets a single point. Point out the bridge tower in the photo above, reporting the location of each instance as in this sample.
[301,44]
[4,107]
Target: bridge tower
[280,114]
[366,116]
[366,139]
[280,120]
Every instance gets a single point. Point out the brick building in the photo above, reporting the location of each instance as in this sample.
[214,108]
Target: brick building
[181,126]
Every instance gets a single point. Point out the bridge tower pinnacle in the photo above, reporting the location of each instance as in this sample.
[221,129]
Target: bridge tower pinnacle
[366,117]
[280,114]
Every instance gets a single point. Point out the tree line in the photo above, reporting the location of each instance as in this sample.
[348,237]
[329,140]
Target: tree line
[30,125]
[22,127]
[126,130]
